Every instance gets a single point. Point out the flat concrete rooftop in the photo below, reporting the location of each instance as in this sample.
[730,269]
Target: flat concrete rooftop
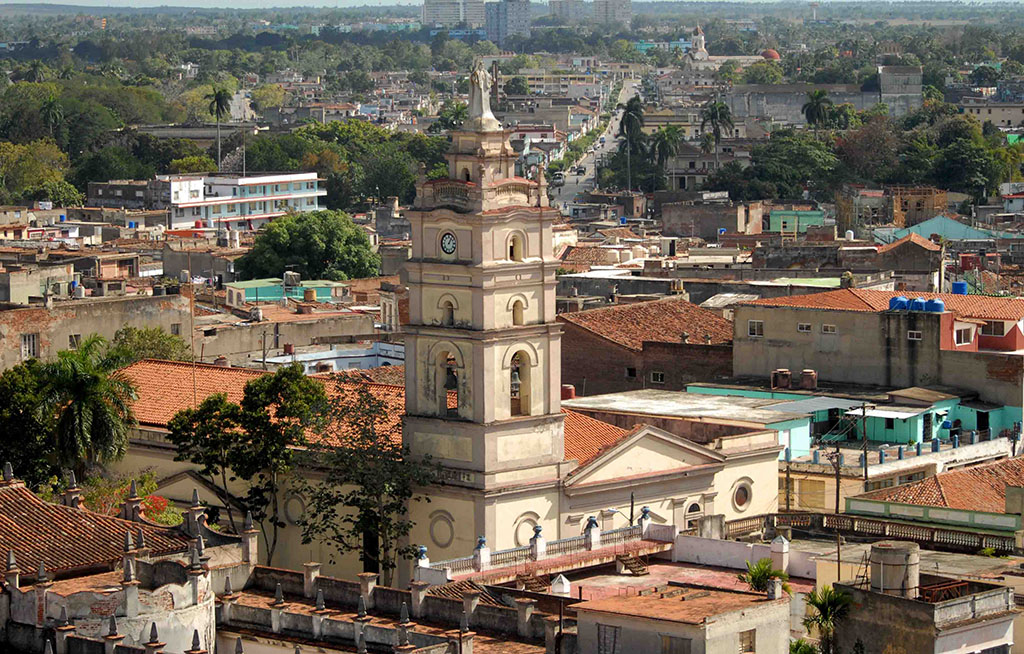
[680,404]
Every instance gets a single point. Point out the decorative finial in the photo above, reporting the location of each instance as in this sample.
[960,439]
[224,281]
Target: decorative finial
[63,619]
[112,626]
[128,544]
[193,560]
[195,498]
[11,563]
[41,572]
[153,638]
[279,594]
[200,545]
[361,607]
[404,615]
[195,639]
[238,645]
[129,570]
[247,524]
[72,482]
[320,605]
[140,538]
[133,490]
[361,643]
[8,471]
[481,542]
[421,552]
[298,650]
[464,624]
[227,586]
[48,649]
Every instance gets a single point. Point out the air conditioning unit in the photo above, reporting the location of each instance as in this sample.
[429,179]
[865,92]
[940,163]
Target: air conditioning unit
[292,278]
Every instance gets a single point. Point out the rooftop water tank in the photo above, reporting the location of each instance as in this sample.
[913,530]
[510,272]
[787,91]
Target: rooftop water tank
[959,288]
[898,303]
[935,305]
[849,235]
[895,568]
[917,304]
[63,217]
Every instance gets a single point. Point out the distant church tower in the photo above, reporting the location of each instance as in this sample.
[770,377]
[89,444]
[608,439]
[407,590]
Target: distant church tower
[482,348]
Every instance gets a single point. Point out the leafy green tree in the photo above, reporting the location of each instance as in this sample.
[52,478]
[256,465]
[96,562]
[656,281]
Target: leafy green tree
[759,576]
[967,166]
[870,152]
[517,86]
[220,106]
[801,646]
[61,192]
[133,344]
[794,160]
[451,116]
[113,162]
[362,505]
[984,76]
[764,72]
[268,96]
[29,445]
[816,109]
[317,244]
[91,401]
[209,436]
[829,608]
[631,130]
[719,116]
[276,413]
[52,113]
[193,164]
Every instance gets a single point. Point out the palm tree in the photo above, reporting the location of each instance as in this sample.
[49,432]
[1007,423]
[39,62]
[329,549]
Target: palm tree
[220,106]
[759,576]
[718,115]
[817,107]
[51,112]
[631,128]
[801,646]
[707,143]
[664,145]
[829,608]
[91,401]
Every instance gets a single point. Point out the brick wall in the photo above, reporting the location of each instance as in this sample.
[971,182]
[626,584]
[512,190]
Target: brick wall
[596,366]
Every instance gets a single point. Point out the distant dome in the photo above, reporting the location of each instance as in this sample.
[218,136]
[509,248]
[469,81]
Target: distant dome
[771,54]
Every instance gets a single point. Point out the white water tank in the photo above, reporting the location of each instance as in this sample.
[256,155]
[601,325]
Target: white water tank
[849,235]
[896,568]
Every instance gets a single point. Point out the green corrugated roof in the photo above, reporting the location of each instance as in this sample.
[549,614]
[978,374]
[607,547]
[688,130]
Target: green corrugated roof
[944,226]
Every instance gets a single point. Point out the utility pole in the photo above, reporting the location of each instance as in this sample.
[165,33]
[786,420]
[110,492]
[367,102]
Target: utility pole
[864,435]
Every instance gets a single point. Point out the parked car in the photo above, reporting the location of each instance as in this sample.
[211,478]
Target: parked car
[558,179]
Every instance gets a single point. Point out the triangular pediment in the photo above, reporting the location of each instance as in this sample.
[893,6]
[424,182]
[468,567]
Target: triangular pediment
[646,452]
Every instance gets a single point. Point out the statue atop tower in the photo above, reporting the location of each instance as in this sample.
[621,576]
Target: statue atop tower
[480,117]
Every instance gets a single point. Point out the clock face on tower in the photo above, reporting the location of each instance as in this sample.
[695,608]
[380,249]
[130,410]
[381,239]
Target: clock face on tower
[448,243]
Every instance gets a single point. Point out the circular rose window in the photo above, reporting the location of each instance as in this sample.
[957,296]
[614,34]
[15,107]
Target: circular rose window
[741,497]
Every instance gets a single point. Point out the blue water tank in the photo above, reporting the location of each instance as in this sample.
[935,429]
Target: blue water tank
[63,217]
[898,303]
[959,288]
[935,305]
[73,284]
[131,225]
[917,304]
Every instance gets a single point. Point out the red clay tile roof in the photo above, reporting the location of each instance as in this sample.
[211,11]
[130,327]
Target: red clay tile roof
[69,539]
[981,488]
[981,307]
[584,255]
[391,375]
[619,232]
[662,321]
[165,387]
[586,437]
[913,238]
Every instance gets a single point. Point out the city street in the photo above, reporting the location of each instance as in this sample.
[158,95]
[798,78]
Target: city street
[577,184]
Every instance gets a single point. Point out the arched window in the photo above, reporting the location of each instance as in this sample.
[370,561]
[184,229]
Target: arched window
[517,312]
[448,313]
[465,174]
[519,386]
[516,248]
[448,385]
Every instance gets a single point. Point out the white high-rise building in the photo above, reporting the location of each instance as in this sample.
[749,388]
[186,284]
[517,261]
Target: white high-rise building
[507,18]
[613,12]
[451,13]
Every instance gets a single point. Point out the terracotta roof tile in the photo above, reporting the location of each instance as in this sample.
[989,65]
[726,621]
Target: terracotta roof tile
[618,232]
[584,255]
[913,238]
[687,604]
[663,321]
[69,539]
[165,387]
[981,307]
[981,488]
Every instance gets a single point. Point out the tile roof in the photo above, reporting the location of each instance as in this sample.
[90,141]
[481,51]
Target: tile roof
[688,604]
[391,375]
[663,321]
[69,539]
[618,232]
[165,387]
[913,238]
[980,488]
[577,254]
[982,307]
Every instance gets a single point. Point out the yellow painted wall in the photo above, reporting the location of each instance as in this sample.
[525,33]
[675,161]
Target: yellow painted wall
[448,513]
[509,514]
[647,455]
[762,475]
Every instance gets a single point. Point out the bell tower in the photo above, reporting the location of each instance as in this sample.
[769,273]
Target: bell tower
[482,348]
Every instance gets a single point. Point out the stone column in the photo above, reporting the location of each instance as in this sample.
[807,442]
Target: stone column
[470,600]
[780,553]
[310,572]
[524,609]
[419,596]
[367,583]
[250,541]
[112,639]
